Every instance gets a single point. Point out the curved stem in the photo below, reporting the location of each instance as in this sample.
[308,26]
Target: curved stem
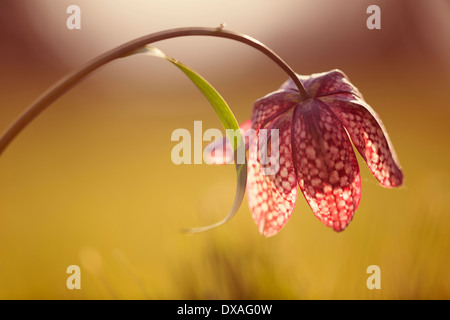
[74,77]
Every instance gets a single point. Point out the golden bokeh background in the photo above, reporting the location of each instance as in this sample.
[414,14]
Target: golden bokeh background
[90,182]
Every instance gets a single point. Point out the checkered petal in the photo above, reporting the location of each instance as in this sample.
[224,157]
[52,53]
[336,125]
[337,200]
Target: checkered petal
[272,196]
[326,166]
[369,136]
[324,84]
[272,106]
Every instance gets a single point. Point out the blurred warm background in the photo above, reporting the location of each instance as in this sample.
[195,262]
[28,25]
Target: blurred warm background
[90,182]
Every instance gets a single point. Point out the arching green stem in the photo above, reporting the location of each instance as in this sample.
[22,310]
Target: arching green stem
[74,77]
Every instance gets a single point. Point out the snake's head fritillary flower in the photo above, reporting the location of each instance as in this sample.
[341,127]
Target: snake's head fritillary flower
[315,152]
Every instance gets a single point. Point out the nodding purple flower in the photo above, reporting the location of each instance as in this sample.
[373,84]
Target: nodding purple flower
[315,152]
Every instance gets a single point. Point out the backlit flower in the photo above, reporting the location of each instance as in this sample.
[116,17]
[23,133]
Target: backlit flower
[315,152]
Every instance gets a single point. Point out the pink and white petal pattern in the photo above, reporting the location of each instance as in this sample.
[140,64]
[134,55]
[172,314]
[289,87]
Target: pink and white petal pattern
[326,166]
[370,138]
[272,198]
[272,106]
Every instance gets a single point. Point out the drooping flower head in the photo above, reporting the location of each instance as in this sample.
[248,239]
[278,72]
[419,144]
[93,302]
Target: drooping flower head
[315,152]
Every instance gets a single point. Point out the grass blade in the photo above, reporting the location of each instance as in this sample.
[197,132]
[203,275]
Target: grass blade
[228,120]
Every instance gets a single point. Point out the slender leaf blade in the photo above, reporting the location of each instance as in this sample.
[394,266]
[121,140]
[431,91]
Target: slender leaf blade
[228,121]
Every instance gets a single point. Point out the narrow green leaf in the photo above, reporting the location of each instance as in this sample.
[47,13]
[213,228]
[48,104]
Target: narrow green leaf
[228,120]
